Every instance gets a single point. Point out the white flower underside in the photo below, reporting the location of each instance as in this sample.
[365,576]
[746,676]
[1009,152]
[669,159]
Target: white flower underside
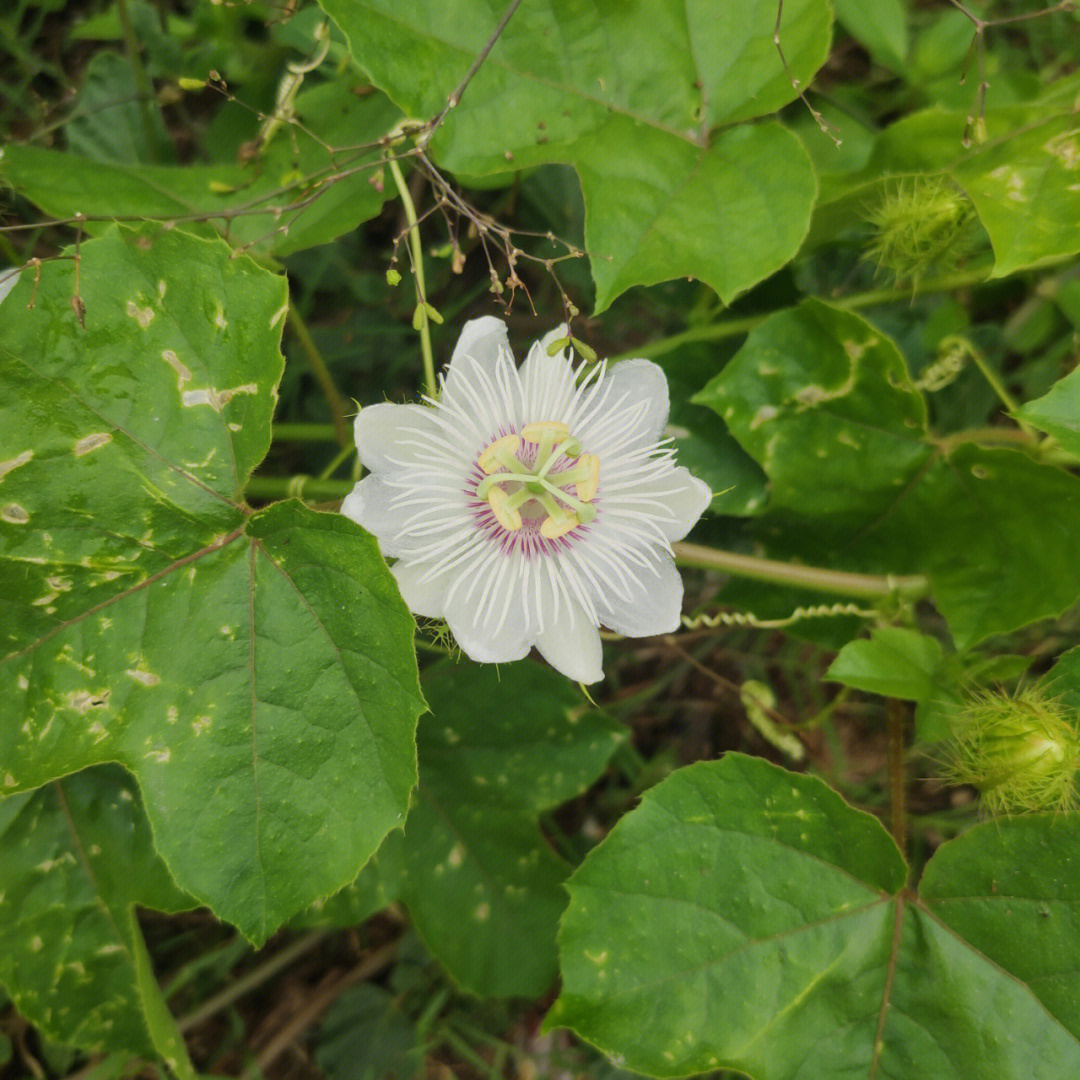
[503,590]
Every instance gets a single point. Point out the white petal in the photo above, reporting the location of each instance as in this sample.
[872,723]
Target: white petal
[483,609]
[573,647]
[405,433]
[371,504]
[655,602]
[636,409]
[481,378]
[485,340]
[9,278]
[674,499]
[547,381]
[427,598]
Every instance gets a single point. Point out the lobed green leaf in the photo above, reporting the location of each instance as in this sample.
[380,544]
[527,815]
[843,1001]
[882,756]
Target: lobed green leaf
[631,96]
[743,917]
[255,672]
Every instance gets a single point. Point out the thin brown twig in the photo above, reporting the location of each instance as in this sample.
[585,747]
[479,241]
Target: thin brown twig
[455,96]
[829,129]
[252,980]
[975,128]
[316,1006]
[897,719]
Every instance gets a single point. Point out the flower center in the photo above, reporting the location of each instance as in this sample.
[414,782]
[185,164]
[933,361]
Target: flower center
[556,480]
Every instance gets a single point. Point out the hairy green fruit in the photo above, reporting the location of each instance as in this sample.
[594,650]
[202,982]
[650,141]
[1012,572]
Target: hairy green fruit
[1021,752]
[921,223]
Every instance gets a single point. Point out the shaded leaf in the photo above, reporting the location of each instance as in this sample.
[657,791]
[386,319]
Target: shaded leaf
[880,26]
[366,1036]
[481,882]
[109,123]
[77,857]
[321,194]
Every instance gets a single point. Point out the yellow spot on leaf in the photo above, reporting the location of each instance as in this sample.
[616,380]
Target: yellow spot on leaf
[15,462]
[91,442]
[143,316]
[14,514]
[183,372]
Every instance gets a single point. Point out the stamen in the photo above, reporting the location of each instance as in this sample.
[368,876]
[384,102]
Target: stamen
[536,432]
[508,518]
[491,458]
[554,527]
[586,488]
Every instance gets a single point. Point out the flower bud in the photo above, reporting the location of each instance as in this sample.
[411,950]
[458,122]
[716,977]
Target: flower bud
[1021,752]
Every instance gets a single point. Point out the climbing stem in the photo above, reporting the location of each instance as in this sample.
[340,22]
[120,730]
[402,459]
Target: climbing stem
[304,433]
[142,81]
[837,582]
[727,328]
[897,719]
[430,385]
[322,375]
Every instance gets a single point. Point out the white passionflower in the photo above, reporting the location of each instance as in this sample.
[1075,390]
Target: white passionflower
[531,507]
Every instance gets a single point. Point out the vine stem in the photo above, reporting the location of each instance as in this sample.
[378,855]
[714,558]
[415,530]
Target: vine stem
[727,328]
[897,716]
[252,980]
[322,375]
[839,582]
[432,387]
[142,80]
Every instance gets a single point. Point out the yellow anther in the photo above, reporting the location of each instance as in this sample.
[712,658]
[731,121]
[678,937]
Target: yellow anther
[554,527]
[509,519]
[554,430]
[586,489]
[489,459]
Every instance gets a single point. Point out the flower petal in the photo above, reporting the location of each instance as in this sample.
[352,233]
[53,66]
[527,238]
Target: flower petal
[485,340]
[406,434]
[573,647]
[9,278]
[481,381]
[634,411]
[422,597]
[654,605]
[370,504]
[547,382]
[484,611]
[672,497]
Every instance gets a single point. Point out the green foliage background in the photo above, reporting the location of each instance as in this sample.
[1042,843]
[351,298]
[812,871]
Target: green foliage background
[861,281]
